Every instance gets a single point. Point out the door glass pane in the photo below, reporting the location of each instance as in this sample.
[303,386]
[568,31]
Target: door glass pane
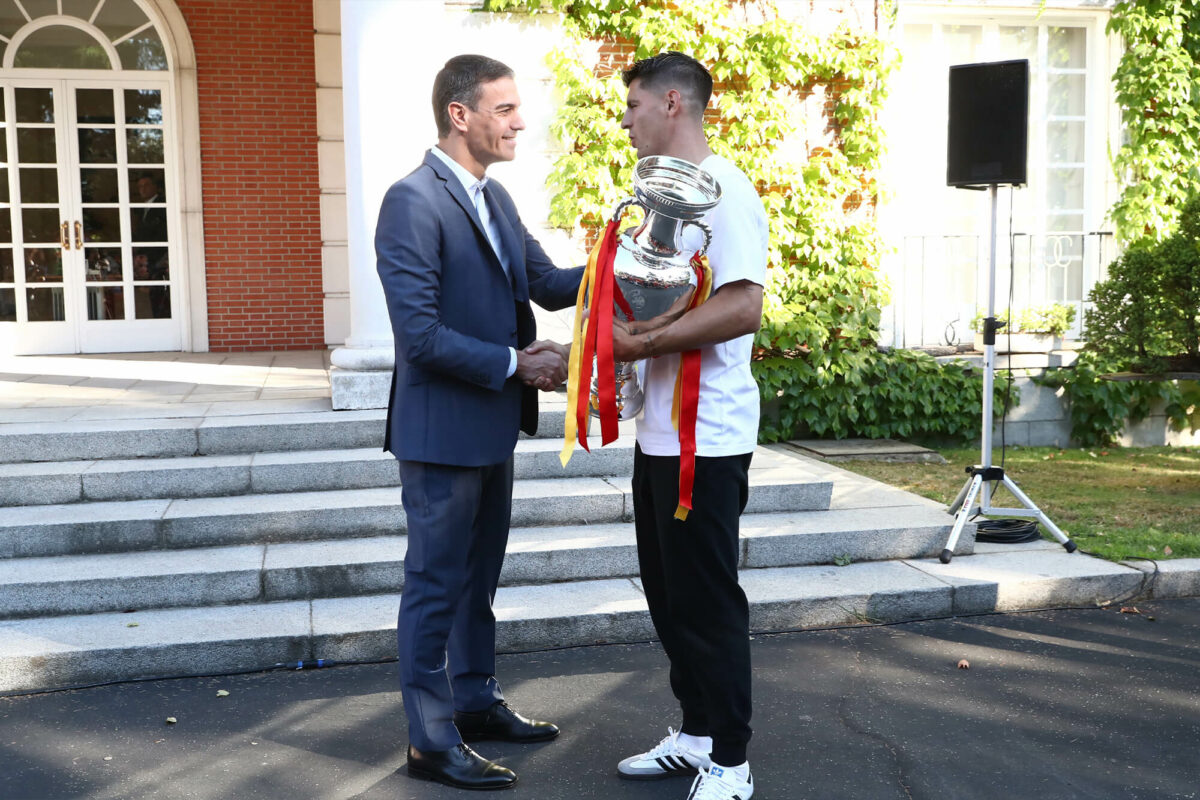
[1064,188]
[36,146]
[40,225]
[3,143]
[34,105]
[39,185]
[40,8]
[11,20]
[1019,42]
[3,182]
[61,46]
[43,265]
[145,186]
[105,302]
[79,8]
[1065,142]
[6,265]
[152,302]
[94,106]
[97,146]
[144,51]
[46,304]
[151,264]
[143,107]
[962,42]
[8,305]
[98,185]
[103,264]
[1064,222]
[1067,48]
[148,224]
[119,17]
[6,225]
[102,224]
[1066,95]
[145,146]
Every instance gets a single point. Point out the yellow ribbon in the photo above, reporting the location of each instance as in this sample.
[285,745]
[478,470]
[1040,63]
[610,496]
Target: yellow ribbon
[703,290]
[582,301]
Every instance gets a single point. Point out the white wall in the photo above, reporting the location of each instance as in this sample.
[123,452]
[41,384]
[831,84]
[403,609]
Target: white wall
[401,49]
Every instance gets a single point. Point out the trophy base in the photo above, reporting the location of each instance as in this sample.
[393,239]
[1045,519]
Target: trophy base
[630,397]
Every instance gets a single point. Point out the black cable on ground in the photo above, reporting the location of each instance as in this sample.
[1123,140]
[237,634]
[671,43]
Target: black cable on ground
[1006,531]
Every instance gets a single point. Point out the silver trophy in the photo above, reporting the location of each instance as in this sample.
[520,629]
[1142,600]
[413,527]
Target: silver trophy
[652,268]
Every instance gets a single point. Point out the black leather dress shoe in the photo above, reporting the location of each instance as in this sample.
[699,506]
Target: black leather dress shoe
[460,767]
[502,724]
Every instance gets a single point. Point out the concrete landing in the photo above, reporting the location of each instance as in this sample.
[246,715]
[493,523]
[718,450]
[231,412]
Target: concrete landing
[865,450]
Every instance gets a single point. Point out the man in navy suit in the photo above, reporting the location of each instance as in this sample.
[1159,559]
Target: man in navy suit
[459,270]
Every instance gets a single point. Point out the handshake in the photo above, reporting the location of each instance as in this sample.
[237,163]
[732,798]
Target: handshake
[543,365]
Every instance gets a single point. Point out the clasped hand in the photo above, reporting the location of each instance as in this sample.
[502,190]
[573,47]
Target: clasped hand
[543,365]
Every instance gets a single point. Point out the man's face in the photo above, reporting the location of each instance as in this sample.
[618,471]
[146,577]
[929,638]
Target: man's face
[492,126]
[146,188]
[645,119]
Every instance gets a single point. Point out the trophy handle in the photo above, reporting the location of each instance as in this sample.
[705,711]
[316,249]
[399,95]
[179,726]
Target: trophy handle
[620,209]
[707,231]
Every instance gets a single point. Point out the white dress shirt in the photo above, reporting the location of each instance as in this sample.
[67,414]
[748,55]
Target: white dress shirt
[474,189]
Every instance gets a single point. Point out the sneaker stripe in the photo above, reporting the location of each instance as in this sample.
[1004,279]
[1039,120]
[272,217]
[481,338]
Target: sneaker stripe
[664,764]
[678,763]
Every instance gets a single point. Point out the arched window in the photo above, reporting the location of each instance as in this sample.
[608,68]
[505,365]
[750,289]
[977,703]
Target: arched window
[79,34]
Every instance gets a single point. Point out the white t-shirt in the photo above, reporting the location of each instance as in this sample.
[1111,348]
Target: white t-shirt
[727,418]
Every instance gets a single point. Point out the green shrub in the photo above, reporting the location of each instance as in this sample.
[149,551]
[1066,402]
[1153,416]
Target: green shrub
[1146,314]
[1098,407]
[895,394]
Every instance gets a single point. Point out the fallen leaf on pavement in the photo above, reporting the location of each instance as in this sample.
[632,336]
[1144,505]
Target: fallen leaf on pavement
[222,693]
[171,720]
[964,664]
[1130,610]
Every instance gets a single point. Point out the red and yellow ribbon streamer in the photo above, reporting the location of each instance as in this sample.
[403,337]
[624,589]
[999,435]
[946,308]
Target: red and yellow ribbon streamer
[592,339]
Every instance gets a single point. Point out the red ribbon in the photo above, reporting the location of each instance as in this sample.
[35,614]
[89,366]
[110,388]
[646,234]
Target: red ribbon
[689,406]
[597,343]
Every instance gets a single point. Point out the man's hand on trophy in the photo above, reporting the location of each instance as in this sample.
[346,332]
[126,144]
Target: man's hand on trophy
[542,365]
[630,344]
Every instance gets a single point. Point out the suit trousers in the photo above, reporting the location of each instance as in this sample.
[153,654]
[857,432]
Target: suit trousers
[458,519]
[689,575]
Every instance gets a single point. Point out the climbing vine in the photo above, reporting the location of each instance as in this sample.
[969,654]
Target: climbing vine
[817,345]
[1158,89]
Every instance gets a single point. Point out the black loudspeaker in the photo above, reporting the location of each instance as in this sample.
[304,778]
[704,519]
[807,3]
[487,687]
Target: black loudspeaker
[987,140]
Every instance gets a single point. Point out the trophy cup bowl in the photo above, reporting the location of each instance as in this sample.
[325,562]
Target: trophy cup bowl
[652,268]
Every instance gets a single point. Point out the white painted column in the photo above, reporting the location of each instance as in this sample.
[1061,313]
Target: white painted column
[391,52]
[385,95]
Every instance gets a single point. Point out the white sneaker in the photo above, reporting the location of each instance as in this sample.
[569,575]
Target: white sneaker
[720,783]
[668,759]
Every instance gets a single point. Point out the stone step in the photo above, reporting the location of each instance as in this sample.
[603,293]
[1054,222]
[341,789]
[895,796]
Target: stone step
[56,483]
[127,525]
[64,585]
[212,435]
[44,653]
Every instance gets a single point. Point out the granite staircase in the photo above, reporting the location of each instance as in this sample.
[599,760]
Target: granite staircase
[167,546]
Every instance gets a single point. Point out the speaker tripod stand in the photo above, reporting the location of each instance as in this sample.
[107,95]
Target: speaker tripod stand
[978,484]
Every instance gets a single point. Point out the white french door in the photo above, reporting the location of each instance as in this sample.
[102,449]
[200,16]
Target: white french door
[86,222]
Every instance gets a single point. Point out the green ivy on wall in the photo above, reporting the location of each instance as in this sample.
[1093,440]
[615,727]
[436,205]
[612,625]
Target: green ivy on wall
[817,345]
[1158,89]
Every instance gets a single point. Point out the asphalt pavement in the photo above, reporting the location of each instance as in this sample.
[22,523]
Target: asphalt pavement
[1094,703]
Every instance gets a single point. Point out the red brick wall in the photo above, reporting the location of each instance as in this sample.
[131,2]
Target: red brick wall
[258,144]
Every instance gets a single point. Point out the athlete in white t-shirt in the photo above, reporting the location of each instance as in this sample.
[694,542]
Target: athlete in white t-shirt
[689,567]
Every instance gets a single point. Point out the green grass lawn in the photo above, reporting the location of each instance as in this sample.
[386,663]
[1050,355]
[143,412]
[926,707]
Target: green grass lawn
[1114,502]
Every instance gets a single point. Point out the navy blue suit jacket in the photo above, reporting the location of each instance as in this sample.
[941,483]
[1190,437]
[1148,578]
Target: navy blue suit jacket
[454,315]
